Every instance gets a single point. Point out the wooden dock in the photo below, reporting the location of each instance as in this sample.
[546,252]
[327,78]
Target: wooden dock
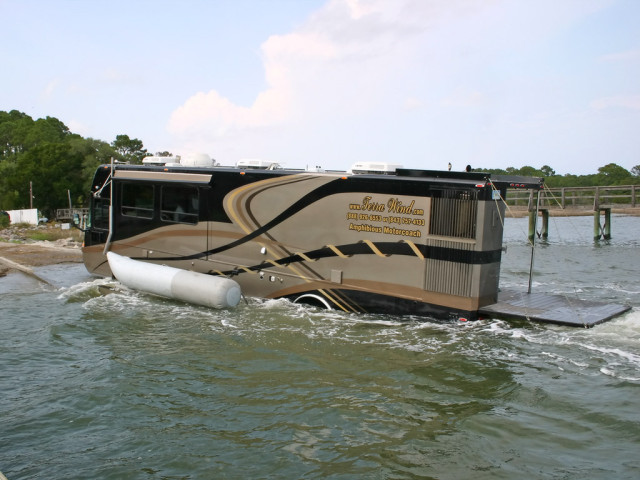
[547,308]
[599,201]
[576,199]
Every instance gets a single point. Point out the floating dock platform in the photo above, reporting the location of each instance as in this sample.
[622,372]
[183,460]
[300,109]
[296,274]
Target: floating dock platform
[547,308]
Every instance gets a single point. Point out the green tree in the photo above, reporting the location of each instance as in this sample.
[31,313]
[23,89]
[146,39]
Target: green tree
[528,171]
[52,168]
[612,174]
[130,149]
[94,153]
[47,129]
[46,153]
[9,196]
[14,128]
[19,132]
[548,171]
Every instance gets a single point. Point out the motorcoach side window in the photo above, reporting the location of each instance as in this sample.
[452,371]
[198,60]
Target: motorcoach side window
[100,213]
[137,200]
[179,204]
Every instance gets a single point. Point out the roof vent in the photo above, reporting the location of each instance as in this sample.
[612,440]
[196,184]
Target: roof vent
[256,164]
[374,168]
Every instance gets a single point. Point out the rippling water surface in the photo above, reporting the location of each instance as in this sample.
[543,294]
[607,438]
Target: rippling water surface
[126,385]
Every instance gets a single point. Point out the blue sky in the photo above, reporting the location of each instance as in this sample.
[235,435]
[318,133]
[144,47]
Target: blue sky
[491,83]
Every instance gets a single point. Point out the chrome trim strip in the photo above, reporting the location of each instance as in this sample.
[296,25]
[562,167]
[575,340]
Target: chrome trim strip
[162,176]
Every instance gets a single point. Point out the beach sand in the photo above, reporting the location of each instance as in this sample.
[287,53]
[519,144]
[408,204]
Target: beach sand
[22,257]
[18,253]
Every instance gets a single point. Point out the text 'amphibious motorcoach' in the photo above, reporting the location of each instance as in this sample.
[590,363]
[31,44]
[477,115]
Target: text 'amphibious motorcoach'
[406,242]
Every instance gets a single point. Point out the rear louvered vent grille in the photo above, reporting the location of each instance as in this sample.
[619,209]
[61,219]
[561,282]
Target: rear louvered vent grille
[454,213]
[449,277]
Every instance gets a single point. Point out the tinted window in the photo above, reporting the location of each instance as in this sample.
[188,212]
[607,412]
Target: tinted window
[137,200]
[100,213]
[179,204]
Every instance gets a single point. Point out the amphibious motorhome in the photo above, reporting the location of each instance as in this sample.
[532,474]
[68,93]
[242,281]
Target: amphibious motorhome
[411,242]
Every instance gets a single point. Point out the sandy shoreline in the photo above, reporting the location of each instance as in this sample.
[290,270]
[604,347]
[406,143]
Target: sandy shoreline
[24,256]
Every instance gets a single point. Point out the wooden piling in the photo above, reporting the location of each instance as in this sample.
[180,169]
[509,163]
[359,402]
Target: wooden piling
[545,223]
[532,225]
[534,205]
[607,223]
[599,230]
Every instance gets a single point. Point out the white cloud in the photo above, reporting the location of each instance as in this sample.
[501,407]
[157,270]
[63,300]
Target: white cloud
[79,128]
[359,8]
[411,79]
[125,76]
[465,98]
[631,102]
[212,114]
[287,59]
[413,103]
[627,56]
[50,88]
[336,63]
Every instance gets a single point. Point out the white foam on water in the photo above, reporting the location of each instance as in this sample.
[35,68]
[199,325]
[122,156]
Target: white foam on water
[614,344]
[82,289]
[614,355]
[118,301]
[612,373]
[270,303]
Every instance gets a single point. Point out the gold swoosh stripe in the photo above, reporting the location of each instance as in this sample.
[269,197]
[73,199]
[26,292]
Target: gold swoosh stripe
[334,301]
[335,250]
[308,259]
[414,248]
[375,249]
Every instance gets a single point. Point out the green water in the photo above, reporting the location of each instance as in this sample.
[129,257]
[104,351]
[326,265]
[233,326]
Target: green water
[130,386]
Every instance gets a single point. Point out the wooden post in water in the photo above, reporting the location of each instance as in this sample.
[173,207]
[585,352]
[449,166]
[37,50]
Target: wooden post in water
[533,214]
[599,230]
[596,215]
[533,218]
[545,223]
[532,224]
[607,223]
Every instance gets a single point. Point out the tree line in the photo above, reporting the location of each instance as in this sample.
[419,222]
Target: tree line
[608,175]
[59,163]
[44,157]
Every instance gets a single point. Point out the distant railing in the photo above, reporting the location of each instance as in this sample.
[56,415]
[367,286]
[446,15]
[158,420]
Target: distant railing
[68,213]
[591,198]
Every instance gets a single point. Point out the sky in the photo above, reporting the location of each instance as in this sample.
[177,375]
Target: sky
[306,83]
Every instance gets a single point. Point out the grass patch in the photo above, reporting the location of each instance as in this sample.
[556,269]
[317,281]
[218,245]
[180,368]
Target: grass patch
[7,240]
[50,233]
[53,234]
[39,236]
